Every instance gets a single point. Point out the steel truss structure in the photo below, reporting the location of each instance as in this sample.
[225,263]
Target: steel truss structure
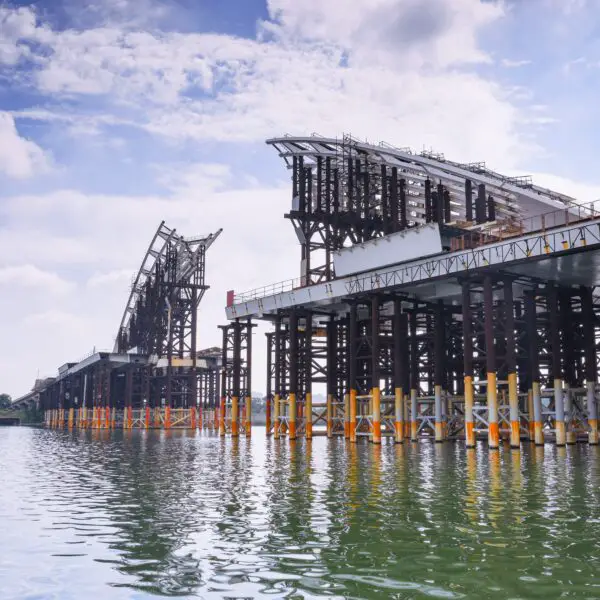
[345,192]
[494,337]
[155,376]
[235,407]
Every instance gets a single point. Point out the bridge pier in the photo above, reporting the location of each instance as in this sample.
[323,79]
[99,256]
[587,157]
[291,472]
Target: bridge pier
[591,366]
[448,373]
[110,394]
[400,350]
[467,324]
[439,359]
[235,411]
[555,345]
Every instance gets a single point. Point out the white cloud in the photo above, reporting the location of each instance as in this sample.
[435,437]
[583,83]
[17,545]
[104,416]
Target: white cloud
[19,158]
[126,13]
[449,111]
[62,333]
[576,63]
[128,64]
[395,70]
[583,192]
[513,64]
[541,120]
[16,26]
[88,124]
[120,277]
[79,234]
[568,7]
[205,177]
[31,277]
[400,33]
[382,70]
[49,319]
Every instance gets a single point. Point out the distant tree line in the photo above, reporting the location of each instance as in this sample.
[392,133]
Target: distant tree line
[5,401]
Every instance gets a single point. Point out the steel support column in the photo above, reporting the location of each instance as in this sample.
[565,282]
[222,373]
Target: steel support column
[223,405]
[308,359]
[128,409]
[534,365]
[591,369]
[567,320]
[414,375]
[375,370]
[511,365]
[555,343]
[438,370]
[277,373]
[293,325]
[400,347]
[331,373]
[467,318]
[490,350]
[236,383]
[352,364]
[269,397]
[248,377]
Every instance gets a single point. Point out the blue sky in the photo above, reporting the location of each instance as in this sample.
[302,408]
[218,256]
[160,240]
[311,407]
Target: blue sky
[117,114]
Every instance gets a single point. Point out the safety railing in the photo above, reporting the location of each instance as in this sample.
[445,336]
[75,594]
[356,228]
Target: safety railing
[536,224]
[269,290]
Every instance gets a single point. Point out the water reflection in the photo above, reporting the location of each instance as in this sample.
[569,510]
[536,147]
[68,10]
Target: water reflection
[192,514]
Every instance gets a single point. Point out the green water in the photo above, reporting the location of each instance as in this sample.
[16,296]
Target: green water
[99,515]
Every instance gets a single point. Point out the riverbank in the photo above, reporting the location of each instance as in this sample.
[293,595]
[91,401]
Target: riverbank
[19,417]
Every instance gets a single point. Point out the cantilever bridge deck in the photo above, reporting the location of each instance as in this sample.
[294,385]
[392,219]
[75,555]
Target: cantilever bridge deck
[567,255]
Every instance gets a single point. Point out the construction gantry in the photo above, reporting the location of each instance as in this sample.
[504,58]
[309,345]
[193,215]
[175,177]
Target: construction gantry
[435,299]
[155,376]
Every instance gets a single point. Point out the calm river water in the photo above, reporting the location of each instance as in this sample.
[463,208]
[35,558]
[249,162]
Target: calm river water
[98,515]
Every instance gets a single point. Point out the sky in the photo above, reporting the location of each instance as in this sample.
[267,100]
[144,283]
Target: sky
[117,114]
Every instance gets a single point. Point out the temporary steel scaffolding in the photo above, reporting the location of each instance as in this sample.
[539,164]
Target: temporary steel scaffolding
[235,408]
[155,376]
[345,192]
[443,300]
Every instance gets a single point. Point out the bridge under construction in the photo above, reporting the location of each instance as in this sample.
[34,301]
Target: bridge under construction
[435,300]
[155,376]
